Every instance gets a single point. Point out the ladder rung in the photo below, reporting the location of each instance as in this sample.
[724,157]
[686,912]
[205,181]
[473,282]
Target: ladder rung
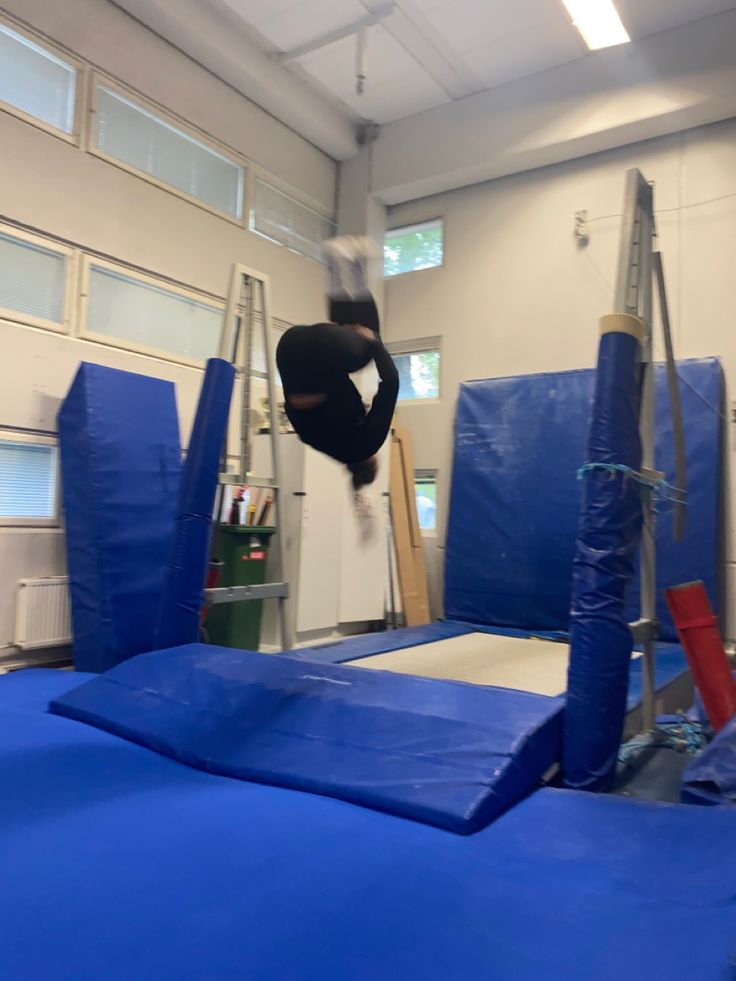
[236,594]
[235,480]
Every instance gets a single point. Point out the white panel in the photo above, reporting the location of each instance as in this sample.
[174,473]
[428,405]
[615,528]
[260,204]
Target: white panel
[319,568]
[364,551]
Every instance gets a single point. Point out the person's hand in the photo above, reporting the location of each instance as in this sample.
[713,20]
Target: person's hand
[365,332]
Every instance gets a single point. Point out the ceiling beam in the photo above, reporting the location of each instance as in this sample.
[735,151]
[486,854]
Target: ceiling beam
[425,44]
[665,83]
[338,34]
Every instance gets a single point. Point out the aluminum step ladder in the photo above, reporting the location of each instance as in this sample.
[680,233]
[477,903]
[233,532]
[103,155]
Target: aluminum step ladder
[249,306]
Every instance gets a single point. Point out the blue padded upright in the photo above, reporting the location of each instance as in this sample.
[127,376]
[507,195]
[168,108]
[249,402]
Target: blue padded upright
[120,864]
[519,443]
[120,465]
[441,752]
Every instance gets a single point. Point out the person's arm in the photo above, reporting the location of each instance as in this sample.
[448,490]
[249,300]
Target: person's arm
[377,423]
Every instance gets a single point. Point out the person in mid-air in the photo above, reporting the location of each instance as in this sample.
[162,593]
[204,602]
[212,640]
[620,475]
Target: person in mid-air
[315,363]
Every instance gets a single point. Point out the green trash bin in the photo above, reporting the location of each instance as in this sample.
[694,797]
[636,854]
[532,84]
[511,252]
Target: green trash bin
[244,551]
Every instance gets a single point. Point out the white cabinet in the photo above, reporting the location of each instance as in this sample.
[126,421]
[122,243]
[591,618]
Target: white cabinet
[337,562]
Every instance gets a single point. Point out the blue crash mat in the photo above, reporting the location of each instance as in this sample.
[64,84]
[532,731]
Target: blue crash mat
[381,642]
[441,752]
[121,864]
[515,498]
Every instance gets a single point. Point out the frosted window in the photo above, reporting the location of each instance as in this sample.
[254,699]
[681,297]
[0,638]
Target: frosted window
[27,480]
[129,133]
[144,315]
[35,81]
[412,248]
[287,221]
[31,279]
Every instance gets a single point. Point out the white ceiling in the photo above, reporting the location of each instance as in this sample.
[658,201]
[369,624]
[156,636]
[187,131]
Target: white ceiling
[430,52]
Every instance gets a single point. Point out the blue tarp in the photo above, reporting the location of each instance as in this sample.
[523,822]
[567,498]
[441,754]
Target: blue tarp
[120,465]
[608,538]
[441,752]
[711,777]
[519,443]
[121,864]
[181,599]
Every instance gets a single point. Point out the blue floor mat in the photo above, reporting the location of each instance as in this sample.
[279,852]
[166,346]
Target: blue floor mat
[121,864]
[442,752]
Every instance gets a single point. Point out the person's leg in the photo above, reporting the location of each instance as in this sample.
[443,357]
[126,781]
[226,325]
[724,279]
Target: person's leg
[348,259]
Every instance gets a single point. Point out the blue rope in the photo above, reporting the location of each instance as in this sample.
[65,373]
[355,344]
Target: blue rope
[683,736]
[663,490]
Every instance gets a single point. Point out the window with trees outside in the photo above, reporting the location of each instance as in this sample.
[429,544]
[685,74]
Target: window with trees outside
[413,247]
[425,489]
[418,365]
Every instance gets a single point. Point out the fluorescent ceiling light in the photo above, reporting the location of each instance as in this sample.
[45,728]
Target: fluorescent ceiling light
[598,21]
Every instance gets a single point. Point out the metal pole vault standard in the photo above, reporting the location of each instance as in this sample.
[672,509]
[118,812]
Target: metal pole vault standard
[249,300]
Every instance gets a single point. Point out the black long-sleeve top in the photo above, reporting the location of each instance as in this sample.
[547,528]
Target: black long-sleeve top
[340,426]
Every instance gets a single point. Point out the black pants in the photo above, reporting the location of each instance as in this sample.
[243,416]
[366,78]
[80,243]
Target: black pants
[312,358]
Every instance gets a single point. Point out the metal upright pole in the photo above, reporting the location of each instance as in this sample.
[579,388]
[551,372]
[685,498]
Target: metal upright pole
[634,284]
[273,413]
[648,551]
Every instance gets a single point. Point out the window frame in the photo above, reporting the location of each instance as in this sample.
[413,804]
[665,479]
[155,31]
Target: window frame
[34,439]
[256,174]
[68,299]
[85,333]
[419,345]
[66,58]
[416,226]
[167,118]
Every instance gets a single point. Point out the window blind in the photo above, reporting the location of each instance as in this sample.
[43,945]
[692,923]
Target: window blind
[130,133]
[287,221]
[36,81]
[31,279]
[149,316]
[27,479]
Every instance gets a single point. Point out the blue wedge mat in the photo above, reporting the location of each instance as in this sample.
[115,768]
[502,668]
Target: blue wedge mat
[121,864]
[442,752]
[519,443]
[120,465]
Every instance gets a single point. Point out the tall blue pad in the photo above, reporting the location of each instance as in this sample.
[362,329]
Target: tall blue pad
[608,537]
[516,500]
[182,597]
[120,466]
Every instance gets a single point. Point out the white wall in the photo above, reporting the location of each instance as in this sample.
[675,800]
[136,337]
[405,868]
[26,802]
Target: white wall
[57,188]
[517,294]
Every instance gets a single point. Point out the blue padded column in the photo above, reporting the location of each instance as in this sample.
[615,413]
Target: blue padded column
[182,596]
[608,535]
[120,466]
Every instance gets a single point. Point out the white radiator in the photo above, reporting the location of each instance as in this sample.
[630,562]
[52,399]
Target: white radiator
[42,613]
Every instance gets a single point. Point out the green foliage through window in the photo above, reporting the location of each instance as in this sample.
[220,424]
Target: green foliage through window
[412,248]
[419,375]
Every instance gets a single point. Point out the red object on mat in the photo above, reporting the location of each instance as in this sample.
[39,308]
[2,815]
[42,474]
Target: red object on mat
[698,631]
